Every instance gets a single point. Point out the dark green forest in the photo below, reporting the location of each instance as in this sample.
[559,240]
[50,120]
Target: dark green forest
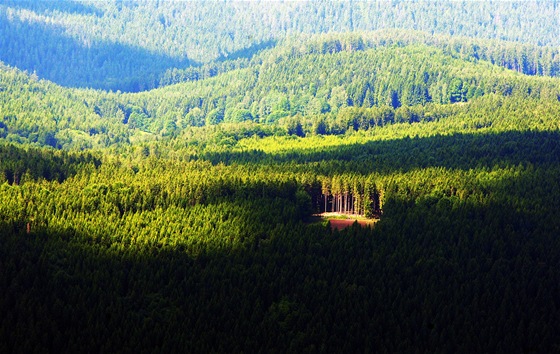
[159,172]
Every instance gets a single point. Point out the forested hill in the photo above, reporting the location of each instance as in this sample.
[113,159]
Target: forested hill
[314,83]
[129,45]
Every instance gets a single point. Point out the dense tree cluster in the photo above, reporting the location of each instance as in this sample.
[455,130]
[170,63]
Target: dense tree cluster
[146,253]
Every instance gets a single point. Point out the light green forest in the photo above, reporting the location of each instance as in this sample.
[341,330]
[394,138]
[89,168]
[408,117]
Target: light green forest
[160,161]
[132,45]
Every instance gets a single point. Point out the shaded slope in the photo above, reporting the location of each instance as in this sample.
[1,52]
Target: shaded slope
[54,55]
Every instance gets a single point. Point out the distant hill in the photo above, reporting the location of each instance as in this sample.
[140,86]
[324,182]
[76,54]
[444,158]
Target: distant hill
[129,45]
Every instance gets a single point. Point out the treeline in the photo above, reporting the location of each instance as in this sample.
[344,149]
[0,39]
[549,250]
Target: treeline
[331,137]
[525,58]
[347,194]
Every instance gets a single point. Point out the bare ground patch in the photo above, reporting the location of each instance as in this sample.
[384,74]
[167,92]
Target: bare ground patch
[341,221]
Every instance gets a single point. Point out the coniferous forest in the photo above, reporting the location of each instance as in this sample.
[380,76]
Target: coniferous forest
[161,163]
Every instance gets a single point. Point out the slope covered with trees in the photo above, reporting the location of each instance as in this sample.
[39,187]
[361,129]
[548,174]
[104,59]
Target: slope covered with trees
[128,45]
[325,85]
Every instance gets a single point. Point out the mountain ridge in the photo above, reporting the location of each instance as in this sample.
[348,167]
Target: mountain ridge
[156,37]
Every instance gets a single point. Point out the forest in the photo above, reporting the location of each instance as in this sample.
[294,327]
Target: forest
[134,45]
[159,171]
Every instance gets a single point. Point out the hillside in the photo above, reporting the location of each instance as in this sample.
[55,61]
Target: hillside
[283,85]
[129,45]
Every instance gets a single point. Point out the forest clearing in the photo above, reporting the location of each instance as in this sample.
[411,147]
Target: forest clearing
[340,221]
